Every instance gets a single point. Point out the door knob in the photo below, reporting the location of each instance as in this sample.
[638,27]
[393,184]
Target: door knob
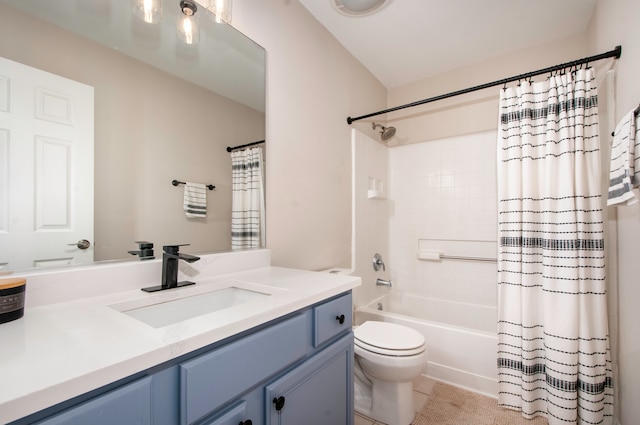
[81,244]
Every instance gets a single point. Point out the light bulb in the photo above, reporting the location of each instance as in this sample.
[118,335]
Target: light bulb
[222,10]
[149,11]
[188,29]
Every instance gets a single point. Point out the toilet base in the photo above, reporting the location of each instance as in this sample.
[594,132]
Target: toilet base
[392,402]
[388,402]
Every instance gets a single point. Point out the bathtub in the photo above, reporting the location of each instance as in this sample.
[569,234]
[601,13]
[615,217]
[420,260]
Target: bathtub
[461,338]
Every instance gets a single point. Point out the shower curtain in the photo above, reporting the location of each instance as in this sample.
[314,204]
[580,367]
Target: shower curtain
[553,344]
[247,207]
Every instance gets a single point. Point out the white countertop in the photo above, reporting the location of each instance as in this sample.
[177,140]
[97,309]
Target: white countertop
[61,350]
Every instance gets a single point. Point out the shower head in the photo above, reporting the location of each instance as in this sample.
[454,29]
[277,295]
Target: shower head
[386,133]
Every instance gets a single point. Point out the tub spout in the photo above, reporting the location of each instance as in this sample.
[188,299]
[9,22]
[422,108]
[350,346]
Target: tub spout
[382,282]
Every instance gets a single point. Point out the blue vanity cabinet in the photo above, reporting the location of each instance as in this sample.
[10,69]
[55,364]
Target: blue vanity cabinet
[318,392]
[304,359]
[331,318]
[130,404]
[148,400]
[212,380]
[237,414]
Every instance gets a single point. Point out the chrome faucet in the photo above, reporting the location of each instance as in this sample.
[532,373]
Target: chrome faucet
[170,258]
[378,263]
[382,282]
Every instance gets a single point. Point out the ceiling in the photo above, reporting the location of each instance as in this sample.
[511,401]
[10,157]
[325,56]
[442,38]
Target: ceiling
[409,40]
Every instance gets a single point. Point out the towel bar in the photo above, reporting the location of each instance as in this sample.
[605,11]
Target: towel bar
[177,182]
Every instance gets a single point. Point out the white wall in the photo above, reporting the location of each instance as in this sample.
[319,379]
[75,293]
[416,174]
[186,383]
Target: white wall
[313,85]
[371,162]
[615,22]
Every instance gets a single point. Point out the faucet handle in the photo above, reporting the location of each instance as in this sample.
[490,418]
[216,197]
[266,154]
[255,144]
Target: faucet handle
[145,250]
[377,262]
[173,249]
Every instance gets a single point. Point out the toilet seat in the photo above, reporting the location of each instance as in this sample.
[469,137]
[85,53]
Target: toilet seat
[389,339]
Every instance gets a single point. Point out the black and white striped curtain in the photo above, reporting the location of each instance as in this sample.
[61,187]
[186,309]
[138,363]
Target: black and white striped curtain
[247,207]
[553,343]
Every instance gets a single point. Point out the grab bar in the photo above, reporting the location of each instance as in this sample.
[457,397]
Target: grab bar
[454,257]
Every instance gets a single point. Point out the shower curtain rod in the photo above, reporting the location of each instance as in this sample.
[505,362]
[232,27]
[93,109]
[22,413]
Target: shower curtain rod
[229,148]
[615,53]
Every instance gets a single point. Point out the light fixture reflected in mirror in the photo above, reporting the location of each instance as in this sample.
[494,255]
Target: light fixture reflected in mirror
[220,8]
[188,29]
[149,11]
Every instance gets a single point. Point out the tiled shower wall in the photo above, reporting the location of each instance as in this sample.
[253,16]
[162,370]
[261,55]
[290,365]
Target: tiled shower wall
[443,190]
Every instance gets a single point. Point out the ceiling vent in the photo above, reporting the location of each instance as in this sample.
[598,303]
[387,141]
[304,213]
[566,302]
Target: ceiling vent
[358,7]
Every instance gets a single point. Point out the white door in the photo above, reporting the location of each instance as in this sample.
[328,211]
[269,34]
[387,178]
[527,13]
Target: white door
[46,168]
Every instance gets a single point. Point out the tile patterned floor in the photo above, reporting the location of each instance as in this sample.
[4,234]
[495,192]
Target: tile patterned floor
[421,389]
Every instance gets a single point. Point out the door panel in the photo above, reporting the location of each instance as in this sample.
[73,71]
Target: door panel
[46,168]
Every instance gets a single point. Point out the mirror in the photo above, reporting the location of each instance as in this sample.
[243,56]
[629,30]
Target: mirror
[163,111]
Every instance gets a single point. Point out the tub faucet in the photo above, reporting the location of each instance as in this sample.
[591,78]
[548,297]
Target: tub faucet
[170,258]
[382,282]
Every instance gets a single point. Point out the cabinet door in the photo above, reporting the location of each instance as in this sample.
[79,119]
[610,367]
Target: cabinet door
[318,392]
[127,405]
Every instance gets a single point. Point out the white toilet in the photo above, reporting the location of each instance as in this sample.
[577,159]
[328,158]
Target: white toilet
[388,357]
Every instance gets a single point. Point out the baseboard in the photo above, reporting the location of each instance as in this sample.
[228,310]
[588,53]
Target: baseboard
[460,378]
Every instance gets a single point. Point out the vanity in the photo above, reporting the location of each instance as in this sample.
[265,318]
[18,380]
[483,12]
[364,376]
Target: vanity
[275,348]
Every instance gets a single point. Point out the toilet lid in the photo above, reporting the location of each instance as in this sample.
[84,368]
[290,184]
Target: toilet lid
[388,338]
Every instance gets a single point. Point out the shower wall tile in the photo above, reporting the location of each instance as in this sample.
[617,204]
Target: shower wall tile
[444,189]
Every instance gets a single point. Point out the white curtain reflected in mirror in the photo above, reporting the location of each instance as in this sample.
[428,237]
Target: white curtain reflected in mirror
[248,208]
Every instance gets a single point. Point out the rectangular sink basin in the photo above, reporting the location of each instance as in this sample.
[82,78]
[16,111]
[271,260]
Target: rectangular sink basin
[162,312]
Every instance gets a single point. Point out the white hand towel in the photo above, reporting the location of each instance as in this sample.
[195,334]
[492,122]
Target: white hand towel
[195,200]
[625,157]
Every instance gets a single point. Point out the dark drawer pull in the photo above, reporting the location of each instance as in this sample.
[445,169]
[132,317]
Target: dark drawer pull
[247,422]
[279,402]
[340,319]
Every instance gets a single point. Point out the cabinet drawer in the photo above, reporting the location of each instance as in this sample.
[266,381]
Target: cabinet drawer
[130,404]
[234,416]
[326,319]
[209,381]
